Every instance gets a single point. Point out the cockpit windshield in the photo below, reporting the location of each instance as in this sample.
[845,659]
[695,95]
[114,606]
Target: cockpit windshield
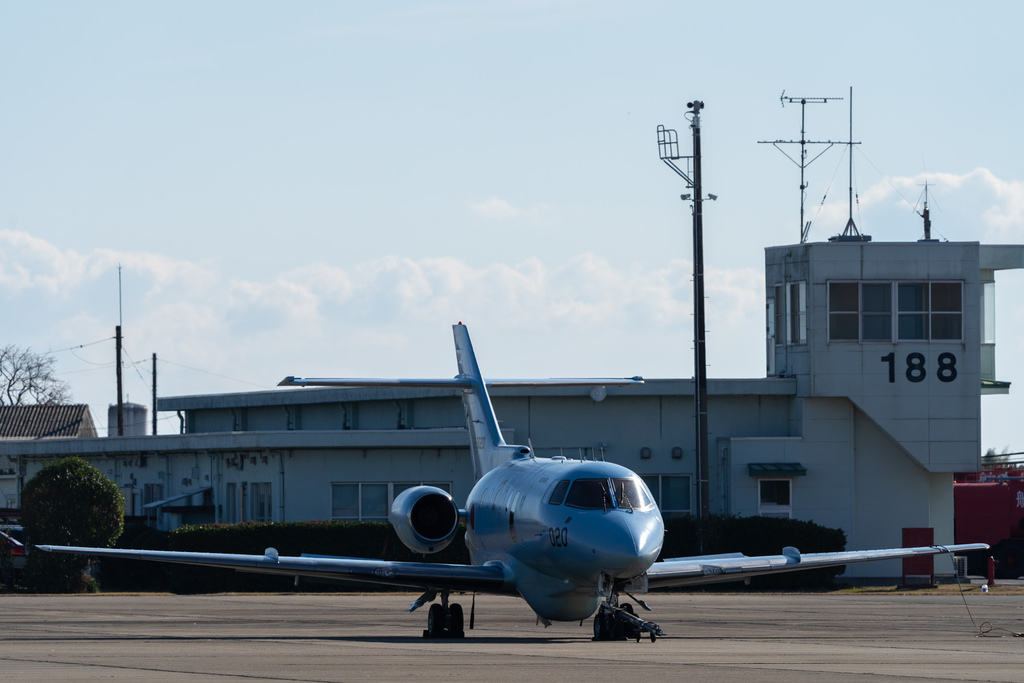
[597,494]
[590,494]
[631,494]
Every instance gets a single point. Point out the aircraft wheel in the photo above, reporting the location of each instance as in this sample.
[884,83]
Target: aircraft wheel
[456,621]
[435,621]
[618,628]
[629,629]
[600,626]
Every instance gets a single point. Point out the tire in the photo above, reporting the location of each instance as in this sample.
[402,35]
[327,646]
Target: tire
[600,626]
[435,621]
[456,621]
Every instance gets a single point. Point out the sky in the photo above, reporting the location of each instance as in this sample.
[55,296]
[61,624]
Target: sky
[323,188]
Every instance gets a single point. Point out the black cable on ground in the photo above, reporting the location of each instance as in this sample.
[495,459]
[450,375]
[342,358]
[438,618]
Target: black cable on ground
[986,629]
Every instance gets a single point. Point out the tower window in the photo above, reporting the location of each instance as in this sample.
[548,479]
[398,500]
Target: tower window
[924,311]
[796,308]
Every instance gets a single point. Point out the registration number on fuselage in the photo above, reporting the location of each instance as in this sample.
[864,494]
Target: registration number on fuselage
[559,537]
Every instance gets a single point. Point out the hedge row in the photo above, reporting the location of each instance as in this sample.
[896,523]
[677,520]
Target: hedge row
[691,536]
[683,537]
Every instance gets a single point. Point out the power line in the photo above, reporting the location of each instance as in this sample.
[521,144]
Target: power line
[135,366]
[88,362]
[215,374]
[82,346]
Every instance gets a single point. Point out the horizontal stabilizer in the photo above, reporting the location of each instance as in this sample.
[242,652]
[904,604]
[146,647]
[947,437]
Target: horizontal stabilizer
[487,446]
[458,382]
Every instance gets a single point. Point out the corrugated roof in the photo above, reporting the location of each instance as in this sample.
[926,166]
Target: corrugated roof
[46,422]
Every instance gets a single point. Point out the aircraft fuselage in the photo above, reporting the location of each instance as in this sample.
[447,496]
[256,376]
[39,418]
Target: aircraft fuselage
[558,525]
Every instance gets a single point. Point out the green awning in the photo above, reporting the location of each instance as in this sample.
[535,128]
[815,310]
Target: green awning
[992,386]
[776,469]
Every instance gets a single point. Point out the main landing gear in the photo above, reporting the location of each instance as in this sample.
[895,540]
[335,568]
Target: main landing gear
[444,620]
[621,623]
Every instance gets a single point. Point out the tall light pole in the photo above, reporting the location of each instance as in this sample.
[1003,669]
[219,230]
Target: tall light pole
[668,150]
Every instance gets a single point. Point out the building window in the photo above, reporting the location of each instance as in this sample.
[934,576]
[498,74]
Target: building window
[774,498]
[876,311]
[671,492]
[131,500]
[796,309]
[924,311]
[988,313]
[947,311]
[344,501]
[152,493]
[259,493]
[231,503]
[843,311]
[371,500]
[913,311]
[780,316]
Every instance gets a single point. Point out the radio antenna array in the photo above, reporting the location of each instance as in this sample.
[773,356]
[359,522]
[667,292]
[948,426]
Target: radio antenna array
[803,163]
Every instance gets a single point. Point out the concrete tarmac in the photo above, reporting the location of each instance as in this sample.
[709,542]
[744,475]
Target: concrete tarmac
[337,637]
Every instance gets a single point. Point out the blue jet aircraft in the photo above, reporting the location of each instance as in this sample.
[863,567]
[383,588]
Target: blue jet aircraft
[568,536]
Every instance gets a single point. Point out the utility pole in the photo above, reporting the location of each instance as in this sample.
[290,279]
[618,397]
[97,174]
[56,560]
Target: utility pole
[120,400]
[154,394]
[668,150]
[117,337]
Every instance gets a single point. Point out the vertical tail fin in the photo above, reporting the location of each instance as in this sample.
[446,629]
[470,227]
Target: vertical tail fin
[487,446]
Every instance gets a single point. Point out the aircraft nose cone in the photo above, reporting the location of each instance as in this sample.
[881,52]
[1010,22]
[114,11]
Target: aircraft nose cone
[632,544]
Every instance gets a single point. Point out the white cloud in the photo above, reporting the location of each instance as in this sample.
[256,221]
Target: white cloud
[964,207]
[592,314]
[385,314]
[495,209]
[29,263]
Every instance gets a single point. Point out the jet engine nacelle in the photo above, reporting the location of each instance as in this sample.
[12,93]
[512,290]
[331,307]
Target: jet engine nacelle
[425,518]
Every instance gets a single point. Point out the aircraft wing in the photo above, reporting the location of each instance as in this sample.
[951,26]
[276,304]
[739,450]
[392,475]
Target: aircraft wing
[687,571]
[428,576]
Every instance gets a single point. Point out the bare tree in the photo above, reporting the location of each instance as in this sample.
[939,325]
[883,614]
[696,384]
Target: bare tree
[27,377]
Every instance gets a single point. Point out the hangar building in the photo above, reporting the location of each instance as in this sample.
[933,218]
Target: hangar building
[877,357]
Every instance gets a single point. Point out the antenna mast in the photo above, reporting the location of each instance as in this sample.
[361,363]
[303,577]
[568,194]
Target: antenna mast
[851,234]
[805,228]
[926,214]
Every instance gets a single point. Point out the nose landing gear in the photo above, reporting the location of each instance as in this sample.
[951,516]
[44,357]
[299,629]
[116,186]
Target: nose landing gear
[621,623]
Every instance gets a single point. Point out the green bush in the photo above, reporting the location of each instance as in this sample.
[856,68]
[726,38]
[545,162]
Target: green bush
[377,540]
[374,540]
[69,502]
[125,575]
[7,571]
